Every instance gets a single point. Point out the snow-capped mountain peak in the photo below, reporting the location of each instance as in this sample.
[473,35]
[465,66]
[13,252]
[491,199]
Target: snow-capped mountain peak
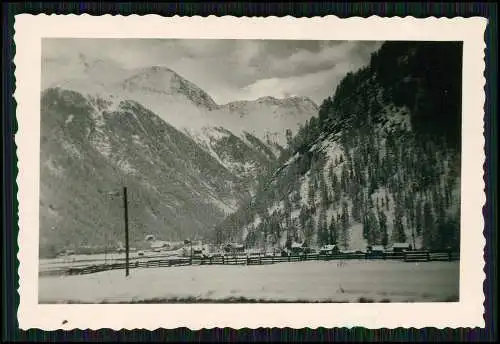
[162,80]
[178,101]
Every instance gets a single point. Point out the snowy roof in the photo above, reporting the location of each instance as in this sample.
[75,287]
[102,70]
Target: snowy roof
[378,248]
[296,245]
[400,244]
[328,247]
[158,244]
[234,245]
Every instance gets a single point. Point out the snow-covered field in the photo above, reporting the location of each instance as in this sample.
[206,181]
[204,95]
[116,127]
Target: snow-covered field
[378,281]
[83,260]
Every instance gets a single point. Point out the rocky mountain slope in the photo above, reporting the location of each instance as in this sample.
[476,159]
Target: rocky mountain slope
[90,147]
[103,127]
[380,164]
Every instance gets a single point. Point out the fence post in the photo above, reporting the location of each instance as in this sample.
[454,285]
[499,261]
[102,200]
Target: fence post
[260,260]
[449,256]
[223,260]
[248,260]
[288,258]
[428,256]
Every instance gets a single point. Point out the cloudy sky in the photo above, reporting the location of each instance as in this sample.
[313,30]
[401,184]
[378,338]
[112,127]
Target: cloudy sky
[230,70]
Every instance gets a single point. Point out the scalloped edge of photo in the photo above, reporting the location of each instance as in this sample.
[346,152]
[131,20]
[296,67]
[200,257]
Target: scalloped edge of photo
[467,312]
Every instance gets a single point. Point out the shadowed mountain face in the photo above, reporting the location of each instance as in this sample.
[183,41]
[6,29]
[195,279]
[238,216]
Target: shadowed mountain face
[90,147]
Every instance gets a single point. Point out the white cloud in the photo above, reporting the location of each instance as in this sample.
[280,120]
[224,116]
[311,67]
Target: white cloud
[317,86]
[226,69]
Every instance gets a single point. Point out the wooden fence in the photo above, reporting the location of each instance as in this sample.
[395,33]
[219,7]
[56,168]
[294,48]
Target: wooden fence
[410,256]
[427,256]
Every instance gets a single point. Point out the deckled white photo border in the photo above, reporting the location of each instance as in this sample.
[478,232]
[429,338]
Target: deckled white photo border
[468,312]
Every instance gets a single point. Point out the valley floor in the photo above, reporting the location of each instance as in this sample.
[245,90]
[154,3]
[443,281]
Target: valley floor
[314,281]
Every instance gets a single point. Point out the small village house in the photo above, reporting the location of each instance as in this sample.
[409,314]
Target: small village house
[329,249]
[234,248]
[158,245]
[149,237]
[297,248]
[375,250]
[401,247]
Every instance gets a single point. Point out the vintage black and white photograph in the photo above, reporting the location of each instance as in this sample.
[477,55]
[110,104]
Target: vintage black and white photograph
[223,169]
[249,171]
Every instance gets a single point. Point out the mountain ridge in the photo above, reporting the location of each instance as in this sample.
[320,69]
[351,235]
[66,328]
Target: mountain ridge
[185,105]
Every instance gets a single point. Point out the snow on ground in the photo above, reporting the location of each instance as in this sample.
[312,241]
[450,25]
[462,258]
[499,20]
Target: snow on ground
[331,148]
[292,159]
[53,167]
[71,149]
[356,240]
[225,207]
[304,281]
[304,187]
[276,207]
[69,119]
[100,259]
[257,220]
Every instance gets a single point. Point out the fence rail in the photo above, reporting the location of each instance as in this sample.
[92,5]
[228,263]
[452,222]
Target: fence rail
[409,256]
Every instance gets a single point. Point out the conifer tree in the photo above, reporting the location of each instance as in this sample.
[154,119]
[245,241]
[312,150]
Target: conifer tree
[345,226]
[324,190]
[310,228]
[398,232]
[344,179]
[418,218]
[428,226]
[322,228]
[356,208]
[333,231]
[365,227]
[335,187]
[330,173]
[289,137]
[382,218]
[311,193]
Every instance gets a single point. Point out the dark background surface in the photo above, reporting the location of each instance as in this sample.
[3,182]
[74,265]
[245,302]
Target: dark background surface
[10,297]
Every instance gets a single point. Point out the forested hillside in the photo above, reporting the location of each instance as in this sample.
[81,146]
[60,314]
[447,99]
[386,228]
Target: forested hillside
[379,164]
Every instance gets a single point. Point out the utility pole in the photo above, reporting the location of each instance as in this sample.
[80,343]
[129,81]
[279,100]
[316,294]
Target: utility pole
[125,205]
